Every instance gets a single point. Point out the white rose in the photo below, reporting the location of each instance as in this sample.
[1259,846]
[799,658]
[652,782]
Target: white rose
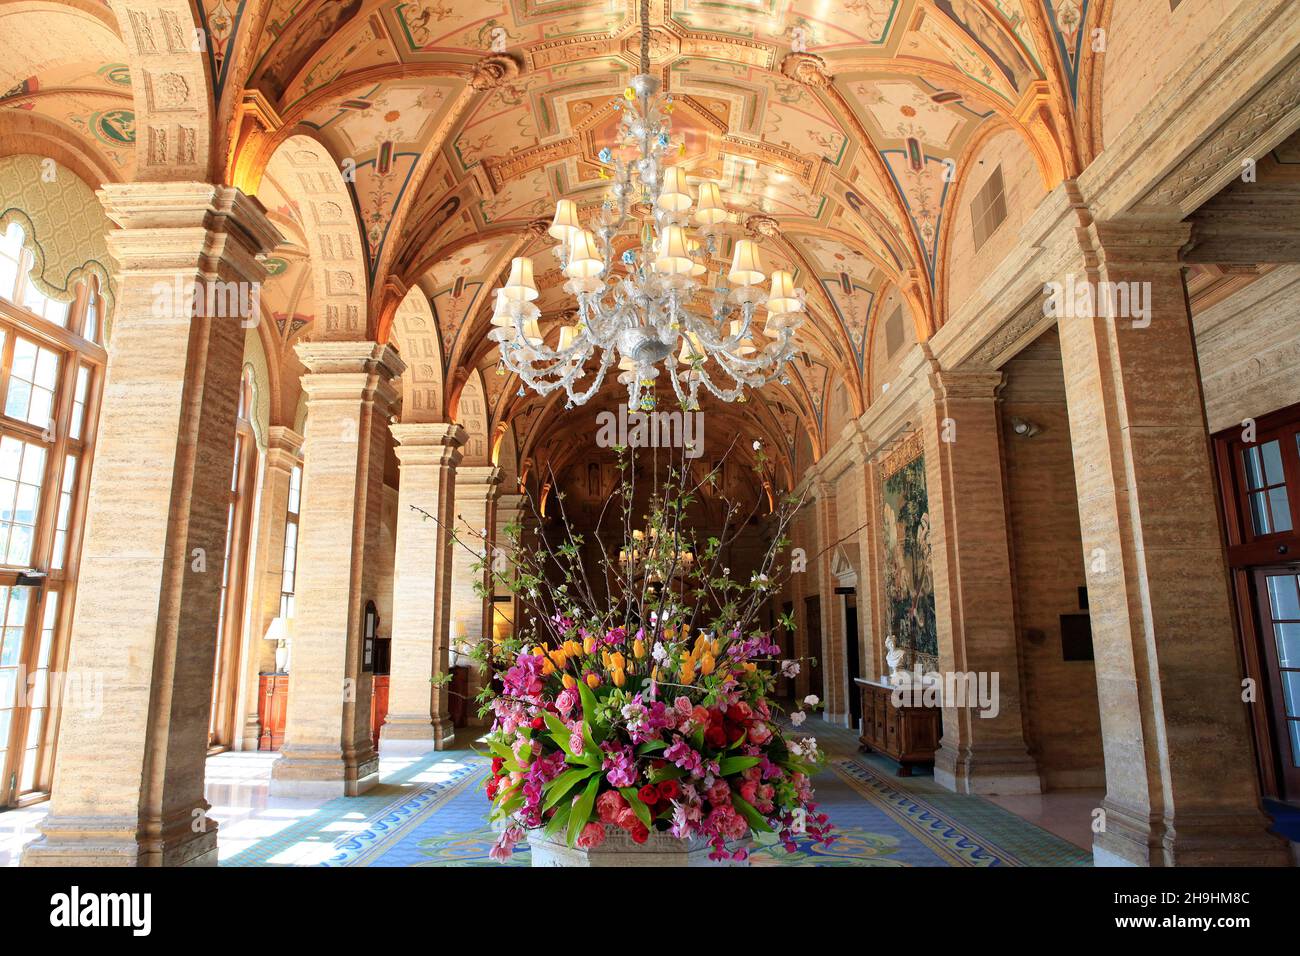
[810,700]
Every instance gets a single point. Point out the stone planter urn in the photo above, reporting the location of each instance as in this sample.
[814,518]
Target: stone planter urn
[619,849]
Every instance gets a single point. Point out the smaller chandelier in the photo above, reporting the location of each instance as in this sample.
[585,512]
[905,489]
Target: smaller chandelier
[654,556]
[659,300]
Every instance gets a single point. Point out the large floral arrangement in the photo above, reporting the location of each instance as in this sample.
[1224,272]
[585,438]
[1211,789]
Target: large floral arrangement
[676,735]
[648,705]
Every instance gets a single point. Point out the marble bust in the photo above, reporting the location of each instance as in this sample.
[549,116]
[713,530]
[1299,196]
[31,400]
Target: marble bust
[893,655]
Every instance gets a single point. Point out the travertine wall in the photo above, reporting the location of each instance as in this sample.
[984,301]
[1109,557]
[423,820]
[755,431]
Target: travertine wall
[1060,704]
[1023,190]
[1248,346]
[1146,44]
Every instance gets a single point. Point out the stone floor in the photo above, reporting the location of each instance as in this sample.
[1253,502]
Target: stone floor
[429,810]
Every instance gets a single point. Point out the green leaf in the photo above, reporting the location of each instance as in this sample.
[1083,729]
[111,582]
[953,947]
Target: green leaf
[666,773]
[582,809]
[558,819]
[589,708]
[555,724]
[638,805]
[734,765]
[651,746]
[561,785]
[749,813]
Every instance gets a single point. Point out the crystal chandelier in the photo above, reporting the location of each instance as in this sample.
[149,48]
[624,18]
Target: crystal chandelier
[656,557]
[659,302]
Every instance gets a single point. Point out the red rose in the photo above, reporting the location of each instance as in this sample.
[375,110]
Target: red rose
[649,794]
[538,723]
[639,833]
[668,790]
[716,736]
[497,764]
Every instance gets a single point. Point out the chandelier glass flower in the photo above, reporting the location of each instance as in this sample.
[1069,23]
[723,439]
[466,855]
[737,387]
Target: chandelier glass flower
[659,300]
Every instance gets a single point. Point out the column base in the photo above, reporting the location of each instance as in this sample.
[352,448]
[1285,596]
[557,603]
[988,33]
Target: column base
[306,774]
[114,841]
[415,734]
[1230,839]
[987,771]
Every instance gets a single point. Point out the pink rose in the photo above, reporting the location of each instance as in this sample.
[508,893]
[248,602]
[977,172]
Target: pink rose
[591,836]
[683,706]
[759,733]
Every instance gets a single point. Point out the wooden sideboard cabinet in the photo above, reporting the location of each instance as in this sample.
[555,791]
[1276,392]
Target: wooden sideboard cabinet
[378,707]
[272,702]
[907,734]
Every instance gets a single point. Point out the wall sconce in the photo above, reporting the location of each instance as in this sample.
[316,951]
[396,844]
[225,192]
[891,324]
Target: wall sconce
[1024,428]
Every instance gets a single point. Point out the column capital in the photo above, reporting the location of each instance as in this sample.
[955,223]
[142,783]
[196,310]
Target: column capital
[344,371]
[168,225]
[428,443]
[1143,243]
[966,384]
[485,476]
[284,438]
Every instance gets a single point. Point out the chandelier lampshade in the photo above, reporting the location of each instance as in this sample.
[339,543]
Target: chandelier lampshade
[674,256]
[565,223]
[746,266]
[709,210]
[520,286]
[675,196]
[781,298]
[639,273]
[585,261]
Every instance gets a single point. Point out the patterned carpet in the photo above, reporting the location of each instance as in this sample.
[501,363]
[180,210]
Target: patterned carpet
[433,814]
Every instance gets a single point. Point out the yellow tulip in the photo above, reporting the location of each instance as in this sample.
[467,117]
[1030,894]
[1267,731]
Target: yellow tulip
[638,649]
[589,645]
[687,675]
[604,658]
[751,666]
[547,667]
[717,646]
[568,681]
[538,652]
[706,664]
[617,660]
[654,673]
[620,678]
[593,681]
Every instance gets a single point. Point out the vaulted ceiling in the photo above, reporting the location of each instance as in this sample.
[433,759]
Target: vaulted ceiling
[456,126]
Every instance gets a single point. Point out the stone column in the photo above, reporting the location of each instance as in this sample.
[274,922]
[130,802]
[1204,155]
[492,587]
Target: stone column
[834,658]
[327,746]
[509,511]
[283,446]
[868,519]
[476,492]
[428,454]
[1180,776]
[128,783]
[974,605]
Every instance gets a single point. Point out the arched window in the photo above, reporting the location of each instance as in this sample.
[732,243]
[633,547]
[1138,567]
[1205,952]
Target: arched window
[51,370]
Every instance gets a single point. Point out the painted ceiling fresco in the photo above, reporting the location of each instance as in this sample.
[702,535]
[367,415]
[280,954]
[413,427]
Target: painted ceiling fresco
[837,129]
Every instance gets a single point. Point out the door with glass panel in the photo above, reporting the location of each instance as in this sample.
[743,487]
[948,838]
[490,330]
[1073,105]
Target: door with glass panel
[1278,594]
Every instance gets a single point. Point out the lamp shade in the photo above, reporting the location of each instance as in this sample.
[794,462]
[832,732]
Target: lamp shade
[675,195]
[501,311]
[709,210]
[674,257]
[567,335]
[777,322]
[746,347]
[690,350]
[585,261]
[278,629]
[520,286]
[746,267]
[565,223]
[532,333]
[698,268]
[782,297]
